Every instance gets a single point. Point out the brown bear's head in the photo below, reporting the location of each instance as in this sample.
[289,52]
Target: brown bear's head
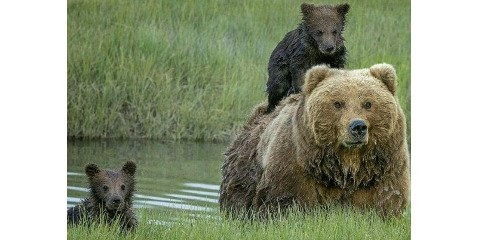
[112,189]
[351,108]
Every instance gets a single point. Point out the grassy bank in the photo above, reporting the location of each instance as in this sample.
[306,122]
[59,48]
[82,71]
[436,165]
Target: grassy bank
[335,224]
[193,70]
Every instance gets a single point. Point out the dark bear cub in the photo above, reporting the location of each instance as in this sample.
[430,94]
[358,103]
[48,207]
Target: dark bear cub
[317,40]
[110,198]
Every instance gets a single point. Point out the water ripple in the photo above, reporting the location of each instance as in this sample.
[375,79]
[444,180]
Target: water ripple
[203,185]
[195,192]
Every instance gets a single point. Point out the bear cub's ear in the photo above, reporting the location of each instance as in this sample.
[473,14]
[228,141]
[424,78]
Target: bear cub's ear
[129,168]
[91,170]
[314,76]
[342,9]
[306,9]
[385,73]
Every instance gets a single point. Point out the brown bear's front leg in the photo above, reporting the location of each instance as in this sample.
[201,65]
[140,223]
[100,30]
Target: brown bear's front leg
[390,195]
[279,190]
[387,199]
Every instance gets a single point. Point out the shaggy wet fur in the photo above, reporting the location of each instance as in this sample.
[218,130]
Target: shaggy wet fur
[110,197]
[317,40]
[341,141]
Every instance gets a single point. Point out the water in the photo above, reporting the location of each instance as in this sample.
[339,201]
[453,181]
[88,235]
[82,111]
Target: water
[182,177]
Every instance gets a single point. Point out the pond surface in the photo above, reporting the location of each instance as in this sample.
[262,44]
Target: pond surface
[170,176]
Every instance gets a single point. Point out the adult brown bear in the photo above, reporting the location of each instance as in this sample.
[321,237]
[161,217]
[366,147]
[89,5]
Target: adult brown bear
[341,140]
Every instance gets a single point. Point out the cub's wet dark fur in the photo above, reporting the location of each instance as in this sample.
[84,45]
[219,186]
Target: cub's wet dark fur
[110,198]
[317,40]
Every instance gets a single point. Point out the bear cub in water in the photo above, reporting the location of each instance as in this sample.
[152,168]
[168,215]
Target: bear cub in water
[110,198]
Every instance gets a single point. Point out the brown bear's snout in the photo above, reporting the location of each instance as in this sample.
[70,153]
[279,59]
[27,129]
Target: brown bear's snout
[358,130]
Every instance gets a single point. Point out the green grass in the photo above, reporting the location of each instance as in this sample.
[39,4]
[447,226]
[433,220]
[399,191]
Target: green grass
[338,223]
[193,70]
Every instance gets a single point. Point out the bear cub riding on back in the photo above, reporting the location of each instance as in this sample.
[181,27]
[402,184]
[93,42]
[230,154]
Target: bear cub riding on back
[317,40]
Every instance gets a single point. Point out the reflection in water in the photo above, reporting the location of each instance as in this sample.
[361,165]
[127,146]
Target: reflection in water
[203,199]
[180,206]
[213,194]
[74,174]
[72,201]
[176,202]
[202,185]
[156,198]
[81,189]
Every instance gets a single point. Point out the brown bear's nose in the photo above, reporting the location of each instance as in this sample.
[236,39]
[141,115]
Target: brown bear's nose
[358,129]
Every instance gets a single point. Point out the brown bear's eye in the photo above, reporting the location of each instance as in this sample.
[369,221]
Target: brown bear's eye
[337,105]
[335,32]
[105,188]
[123,187]
[367,105]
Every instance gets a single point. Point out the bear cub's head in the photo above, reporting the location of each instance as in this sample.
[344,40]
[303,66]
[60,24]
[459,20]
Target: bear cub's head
[113,189]
[325,25]
[351,108]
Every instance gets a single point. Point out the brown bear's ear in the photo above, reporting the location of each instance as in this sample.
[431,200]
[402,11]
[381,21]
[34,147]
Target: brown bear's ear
[306,9]
[313,76]
[91,170]
[342,9]
[129,168]
[385,73]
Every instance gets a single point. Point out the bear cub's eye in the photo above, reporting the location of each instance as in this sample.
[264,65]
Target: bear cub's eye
[105,188]
[123,187]
[338,105]
[367,105]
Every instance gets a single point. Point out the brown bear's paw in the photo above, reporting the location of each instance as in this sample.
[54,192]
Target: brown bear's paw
[391,203]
